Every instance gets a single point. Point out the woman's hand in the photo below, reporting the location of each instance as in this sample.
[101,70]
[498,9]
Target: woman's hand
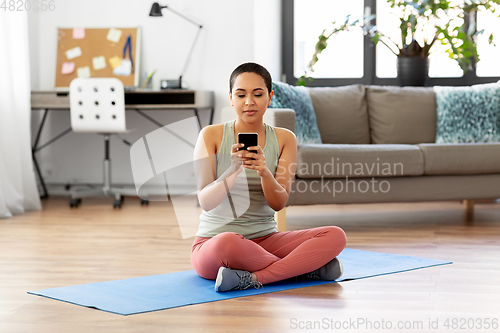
[255,161]
[236,161]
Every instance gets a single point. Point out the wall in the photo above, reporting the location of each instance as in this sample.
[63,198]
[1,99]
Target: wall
[233,32]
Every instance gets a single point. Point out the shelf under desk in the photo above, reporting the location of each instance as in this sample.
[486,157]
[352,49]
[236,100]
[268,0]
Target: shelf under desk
[137,100]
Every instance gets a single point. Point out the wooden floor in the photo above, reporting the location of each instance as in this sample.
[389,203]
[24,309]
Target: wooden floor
[59,246]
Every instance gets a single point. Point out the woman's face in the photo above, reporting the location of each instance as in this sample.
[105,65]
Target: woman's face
[250,97]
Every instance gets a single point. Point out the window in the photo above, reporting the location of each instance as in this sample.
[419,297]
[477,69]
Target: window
[356,60]
[488,54]
[311,17]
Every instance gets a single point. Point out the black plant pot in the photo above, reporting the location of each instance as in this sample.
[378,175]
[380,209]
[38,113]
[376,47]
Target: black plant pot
[413,71]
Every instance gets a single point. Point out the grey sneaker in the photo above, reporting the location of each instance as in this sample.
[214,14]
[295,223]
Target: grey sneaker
[234,279]
[329,272]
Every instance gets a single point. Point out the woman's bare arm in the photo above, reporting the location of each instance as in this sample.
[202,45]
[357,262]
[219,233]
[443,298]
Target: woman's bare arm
[277,189]
[212,191]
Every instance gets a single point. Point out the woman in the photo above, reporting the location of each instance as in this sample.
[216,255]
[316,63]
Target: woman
[246,250]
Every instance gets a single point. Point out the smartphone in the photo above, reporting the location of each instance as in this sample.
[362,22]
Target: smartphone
[249,140]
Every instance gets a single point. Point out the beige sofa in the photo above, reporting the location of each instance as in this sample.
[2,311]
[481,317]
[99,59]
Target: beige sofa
[379,146]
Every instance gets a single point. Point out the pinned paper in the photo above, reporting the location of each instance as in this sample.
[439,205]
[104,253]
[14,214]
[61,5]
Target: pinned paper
[78,33]
[83,71]
[115,61]
[68,67]
[73,53]
[114,35]
[99,62]
[124,69]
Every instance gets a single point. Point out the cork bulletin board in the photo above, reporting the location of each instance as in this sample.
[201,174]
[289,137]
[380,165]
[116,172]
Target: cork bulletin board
[98,52]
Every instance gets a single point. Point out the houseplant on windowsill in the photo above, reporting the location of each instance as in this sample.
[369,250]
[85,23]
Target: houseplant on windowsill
[423,24]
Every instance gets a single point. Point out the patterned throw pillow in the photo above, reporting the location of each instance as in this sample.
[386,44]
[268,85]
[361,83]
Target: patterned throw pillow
[298,99]
[468,114]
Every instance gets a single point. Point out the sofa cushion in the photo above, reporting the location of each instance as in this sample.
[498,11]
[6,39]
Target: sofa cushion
[341,114]
[341,160]
[461,158]
[298,99]
[401,114]
[468,114]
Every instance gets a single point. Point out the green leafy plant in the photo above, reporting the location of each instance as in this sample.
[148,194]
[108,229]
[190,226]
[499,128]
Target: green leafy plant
[426,22]
[423,23]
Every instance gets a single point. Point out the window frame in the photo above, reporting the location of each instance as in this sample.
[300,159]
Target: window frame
[369,60]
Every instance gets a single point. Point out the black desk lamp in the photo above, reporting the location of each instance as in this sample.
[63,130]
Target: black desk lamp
[156,11]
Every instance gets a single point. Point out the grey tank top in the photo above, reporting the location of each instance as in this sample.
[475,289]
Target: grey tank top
[256,221]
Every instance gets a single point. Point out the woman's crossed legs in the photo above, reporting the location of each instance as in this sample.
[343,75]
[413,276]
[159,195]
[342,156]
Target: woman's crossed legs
[275,257]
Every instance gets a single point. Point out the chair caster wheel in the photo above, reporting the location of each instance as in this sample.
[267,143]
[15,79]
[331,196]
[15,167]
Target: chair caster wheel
[117,204]
[144,202]
[75,202]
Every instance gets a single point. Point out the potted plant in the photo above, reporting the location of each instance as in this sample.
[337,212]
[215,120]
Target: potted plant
[423,24]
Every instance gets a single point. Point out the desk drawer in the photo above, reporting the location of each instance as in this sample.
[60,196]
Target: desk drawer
[49,100]
[137,99]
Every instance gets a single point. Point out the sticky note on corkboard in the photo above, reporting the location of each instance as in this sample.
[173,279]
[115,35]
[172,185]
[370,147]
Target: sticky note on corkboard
[94,43]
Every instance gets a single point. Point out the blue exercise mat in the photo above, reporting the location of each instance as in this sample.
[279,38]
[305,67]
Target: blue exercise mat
[164,291]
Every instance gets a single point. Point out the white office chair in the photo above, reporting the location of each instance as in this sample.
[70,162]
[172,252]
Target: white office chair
[98,105]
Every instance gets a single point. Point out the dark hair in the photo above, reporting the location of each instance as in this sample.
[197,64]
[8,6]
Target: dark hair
[251,67]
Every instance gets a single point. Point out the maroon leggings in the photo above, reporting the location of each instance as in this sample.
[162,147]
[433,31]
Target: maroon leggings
[275,257]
